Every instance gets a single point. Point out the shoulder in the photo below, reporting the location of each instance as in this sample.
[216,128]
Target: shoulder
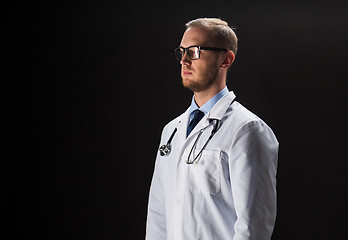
[240,114]
[242,118]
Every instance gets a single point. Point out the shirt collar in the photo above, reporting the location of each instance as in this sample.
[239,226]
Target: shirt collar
[208,105]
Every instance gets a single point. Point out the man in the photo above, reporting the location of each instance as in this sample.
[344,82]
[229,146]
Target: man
[215,172]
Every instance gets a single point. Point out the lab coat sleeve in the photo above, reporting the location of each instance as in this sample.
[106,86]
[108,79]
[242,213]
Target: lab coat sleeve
[253,166]
[156,216]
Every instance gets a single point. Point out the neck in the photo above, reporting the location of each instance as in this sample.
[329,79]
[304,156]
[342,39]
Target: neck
[204,96]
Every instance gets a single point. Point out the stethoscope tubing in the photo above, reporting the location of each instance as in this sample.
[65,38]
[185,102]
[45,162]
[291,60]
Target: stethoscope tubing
[204,146]
[166,148]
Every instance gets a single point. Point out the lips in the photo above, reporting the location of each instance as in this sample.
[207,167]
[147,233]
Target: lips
[186,73]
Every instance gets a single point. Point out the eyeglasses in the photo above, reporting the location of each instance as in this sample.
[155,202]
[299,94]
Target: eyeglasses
[193,52]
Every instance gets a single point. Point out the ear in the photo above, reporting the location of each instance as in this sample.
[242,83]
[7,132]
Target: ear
[228,60]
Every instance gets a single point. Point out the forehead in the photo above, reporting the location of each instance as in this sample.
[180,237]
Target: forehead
[195,36]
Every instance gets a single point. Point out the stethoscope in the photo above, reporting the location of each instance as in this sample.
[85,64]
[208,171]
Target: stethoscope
[165,149]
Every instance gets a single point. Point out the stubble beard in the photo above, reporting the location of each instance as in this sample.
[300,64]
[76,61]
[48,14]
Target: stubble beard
[202,82]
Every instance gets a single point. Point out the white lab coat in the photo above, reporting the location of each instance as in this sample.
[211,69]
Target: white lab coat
[230,193]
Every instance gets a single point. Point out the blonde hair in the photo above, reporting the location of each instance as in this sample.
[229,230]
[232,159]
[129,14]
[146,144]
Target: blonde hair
[221,33]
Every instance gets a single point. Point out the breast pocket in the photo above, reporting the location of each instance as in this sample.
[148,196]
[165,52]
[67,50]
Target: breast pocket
[204,175]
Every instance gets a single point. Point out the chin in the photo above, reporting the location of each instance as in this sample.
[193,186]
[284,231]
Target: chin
[186,82]
[189,84]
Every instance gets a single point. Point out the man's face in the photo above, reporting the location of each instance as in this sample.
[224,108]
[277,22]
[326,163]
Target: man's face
[199,75]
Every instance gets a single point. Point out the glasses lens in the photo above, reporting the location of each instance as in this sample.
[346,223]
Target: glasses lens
[193,53]
[178,53]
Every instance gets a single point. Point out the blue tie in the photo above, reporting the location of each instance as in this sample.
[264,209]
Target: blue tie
[197,116]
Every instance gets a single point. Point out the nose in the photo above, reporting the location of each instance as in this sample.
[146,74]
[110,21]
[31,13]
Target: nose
[185,60]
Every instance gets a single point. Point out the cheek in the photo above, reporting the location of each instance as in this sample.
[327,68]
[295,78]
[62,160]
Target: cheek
[200,66]
[204,68]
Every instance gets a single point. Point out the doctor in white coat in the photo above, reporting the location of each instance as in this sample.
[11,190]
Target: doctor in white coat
[217,179]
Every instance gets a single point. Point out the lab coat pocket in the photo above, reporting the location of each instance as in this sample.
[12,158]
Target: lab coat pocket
[204,175]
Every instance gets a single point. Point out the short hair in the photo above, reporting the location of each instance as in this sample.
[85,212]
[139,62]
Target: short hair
[220,32]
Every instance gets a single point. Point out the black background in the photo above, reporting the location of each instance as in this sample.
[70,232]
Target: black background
[88,86]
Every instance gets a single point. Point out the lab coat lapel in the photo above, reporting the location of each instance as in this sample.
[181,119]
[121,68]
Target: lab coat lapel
[217,112]
[182,128]
[202,124]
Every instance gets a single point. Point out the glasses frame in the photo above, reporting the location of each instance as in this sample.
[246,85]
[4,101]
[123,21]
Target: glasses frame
[184,50]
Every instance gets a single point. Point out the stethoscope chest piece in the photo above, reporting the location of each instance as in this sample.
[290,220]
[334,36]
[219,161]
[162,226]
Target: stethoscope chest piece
[165,149]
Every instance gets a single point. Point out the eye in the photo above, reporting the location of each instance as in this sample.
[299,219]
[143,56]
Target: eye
[193,52]
[190,52]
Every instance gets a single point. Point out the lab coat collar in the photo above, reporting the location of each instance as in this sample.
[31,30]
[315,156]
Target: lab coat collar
[220,108]
[209,104]
[216,113]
